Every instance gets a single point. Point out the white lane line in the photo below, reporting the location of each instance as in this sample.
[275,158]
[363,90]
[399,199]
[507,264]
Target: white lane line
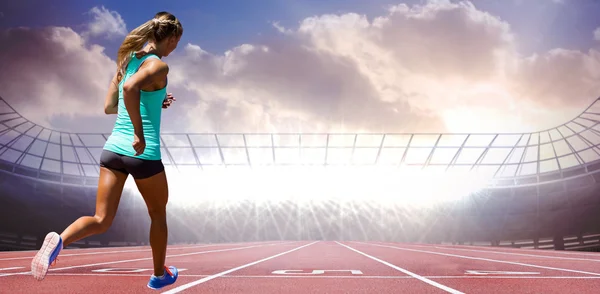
[491,250]
[108,252]
[11,268]
[142,259]
[341,277]
[524,252]
[144,247]
[147,249]
[423,279]
[81,249]
[197,282]
[485,259]
[521,254]
[72,248]
[504,249]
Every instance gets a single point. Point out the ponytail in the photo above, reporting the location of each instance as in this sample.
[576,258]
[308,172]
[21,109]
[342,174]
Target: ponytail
[160,27]
[133,42]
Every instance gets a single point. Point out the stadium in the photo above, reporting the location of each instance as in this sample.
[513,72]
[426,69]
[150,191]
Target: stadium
[529,191]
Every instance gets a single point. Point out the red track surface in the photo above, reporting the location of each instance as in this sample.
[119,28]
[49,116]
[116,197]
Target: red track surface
[310,267]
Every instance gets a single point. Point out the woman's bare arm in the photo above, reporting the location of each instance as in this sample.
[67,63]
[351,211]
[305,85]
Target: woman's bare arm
[112,97]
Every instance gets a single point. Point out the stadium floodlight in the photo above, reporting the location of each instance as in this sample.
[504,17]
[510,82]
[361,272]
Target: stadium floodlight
[423,168]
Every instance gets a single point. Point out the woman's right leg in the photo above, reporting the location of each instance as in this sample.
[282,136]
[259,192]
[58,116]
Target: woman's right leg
[110,187]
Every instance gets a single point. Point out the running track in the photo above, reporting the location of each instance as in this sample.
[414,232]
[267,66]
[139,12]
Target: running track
[312,267]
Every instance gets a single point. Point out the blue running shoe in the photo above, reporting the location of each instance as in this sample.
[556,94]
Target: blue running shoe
[168,278]
[45,257]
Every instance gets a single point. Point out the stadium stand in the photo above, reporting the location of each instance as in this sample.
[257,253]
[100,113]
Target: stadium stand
[543,191]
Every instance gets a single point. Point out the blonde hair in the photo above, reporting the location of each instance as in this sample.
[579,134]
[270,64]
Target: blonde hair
[162,26]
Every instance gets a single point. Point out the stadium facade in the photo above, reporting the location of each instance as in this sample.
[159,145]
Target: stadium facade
[543,188]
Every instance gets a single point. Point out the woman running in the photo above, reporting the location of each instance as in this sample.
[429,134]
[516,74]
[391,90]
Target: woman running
[136,94]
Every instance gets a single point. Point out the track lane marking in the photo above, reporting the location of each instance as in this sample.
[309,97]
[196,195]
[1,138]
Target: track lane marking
[485,248]
[145,258]
[102,249]
[484,259]
[520,254]
[172,247]
[338,277]
[108,252]
[421,278]
[205,279]
[11,268]
[491,250]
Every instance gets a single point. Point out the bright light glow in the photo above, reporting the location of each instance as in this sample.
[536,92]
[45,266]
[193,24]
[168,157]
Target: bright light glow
[412,186]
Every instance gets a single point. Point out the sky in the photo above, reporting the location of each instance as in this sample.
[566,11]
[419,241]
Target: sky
[314,66]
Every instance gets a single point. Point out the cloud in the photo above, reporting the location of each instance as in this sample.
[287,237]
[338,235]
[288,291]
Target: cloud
[105,23]
[60,72]
[419,68]
[597,34]
[435,67]
[51,72]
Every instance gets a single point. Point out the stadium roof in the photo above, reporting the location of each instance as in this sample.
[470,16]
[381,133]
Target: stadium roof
[565,151]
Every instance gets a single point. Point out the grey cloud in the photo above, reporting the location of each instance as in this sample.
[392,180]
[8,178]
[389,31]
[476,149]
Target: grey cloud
[417,69]
[291,87]
[50,73]
[445,40]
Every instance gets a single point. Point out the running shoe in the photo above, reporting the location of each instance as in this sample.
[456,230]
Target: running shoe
[45,257]
[168,278]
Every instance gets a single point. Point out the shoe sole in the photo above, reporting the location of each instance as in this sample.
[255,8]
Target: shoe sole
[41,261]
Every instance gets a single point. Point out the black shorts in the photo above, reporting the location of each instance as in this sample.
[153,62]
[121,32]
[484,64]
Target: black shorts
[138,168]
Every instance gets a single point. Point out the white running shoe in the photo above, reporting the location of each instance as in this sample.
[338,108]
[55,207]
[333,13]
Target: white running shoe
[45,257]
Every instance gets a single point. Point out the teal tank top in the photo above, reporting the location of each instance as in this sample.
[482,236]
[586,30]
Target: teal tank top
[121,139]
